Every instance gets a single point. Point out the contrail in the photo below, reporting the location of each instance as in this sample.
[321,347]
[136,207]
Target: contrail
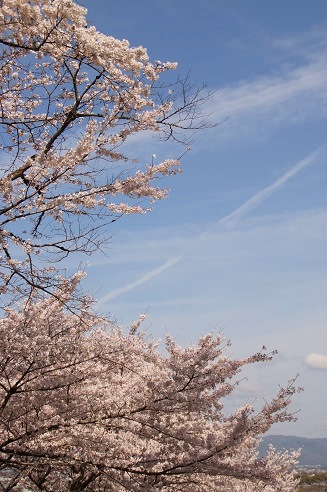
[266,192]
[126,288]
[228,220]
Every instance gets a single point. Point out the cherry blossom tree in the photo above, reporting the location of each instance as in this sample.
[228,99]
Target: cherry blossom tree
[70,100]
[84,404]
[88,406]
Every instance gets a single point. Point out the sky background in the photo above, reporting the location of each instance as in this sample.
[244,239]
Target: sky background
[240,244]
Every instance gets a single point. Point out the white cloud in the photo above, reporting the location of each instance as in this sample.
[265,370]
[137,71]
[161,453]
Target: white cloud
[295,95]
[269,91]
[316,361]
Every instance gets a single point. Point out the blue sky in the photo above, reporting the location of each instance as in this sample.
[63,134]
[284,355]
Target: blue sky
[240,244]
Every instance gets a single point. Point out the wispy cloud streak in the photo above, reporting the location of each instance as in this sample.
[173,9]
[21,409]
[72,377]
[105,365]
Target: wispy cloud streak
[257,107]
[267,92]
[145,278]
[226,222]
[266,192]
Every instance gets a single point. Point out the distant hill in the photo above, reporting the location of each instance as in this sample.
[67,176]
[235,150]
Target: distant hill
[314,451]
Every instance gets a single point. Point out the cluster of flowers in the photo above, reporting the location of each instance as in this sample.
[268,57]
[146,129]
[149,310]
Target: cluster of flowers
[85,401]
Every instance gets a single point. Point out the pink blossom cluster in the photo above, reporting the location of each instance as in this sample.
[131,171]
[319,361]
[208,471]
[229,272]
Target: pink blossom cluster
[83,401]
[70,98]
